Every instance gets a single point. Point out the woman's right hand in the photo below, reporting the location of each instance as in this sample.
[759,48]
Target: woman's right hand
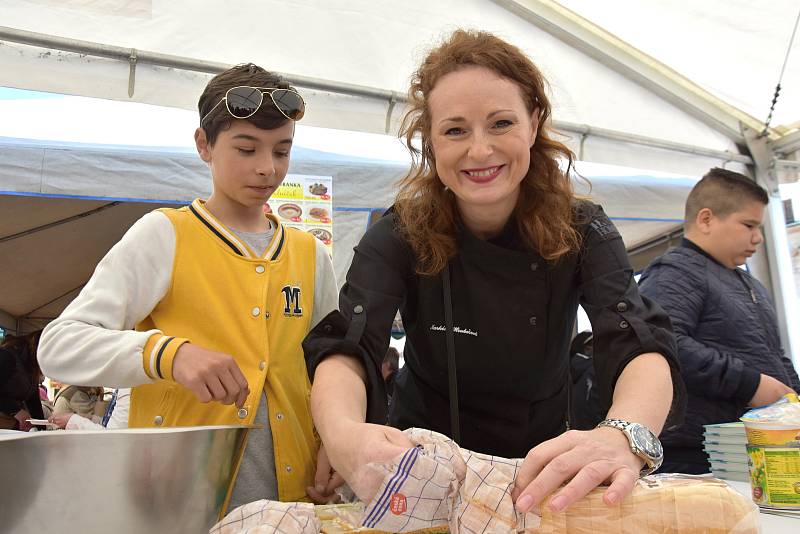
[356,446]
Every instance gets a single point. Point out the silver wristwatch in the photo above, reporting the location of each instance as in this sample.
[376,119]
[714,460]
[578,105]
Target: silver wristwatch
[643,442]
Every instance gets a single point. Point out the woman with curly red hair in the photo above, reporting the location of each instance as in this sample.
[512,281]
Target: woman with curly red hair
[486,253]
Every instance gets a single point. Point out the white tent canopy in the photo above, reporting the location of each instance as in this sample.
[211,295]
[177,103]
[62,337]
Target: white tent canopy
[667,85]
[370,44]
[73,199]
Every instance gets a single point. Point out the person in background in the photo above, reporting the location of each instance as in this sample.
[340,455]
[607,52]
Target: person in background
[81,400]
[19,382]
[727,331]
[585,408]
[202,310]
[390,366]
[487,253]
[44,397]
[116,415]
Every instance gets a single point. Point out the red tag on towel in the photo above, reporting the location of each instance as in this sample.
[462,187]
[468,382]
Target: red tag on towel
[398,504]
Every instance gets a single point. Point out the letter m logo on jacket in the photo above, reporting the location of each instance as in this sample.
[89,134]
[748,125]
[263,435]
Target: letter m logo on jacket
[292,296]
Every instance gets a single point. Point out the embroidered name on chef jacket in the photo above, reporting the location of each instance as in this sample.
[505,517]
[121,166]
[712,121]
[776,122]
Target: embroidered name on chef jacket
[456,329]
[291,295]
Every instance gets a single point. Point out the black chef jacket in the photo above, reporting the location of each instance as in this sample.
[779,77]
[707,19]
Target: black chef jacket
[513,317]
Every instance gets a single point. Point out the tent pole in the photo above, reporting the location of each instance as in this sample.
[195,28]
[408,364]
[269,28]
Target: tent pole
[586,130]
[178,62]
[787,164]
[784,292]
[392,97]
[788,143]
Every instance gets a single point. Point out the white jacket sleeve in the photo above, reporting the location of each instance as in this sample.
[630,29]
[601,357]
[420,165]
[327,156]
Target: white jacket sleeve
[93,342]
[326,292]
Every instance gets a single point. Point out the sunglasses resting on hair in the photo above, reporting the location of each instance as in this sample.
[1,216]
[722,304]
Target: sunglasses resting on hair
[244,101]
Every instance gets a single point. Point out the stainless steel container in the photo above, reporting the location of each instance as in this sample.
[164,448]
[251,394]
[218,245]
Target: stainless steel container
[116,481]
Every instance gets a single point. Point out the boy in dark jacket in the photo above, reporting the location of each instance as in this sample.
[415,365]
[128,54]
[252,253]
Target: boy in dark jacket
[724,320]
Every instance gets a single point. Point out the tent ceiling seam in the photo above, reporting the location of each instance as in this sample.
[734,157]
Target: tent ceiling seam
[7,314]
[647,245]
[58,223]
[37,308]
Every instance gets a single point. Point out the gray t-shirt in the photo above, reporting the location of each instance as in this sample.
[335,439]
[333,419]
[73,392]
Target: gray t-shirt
[257,479]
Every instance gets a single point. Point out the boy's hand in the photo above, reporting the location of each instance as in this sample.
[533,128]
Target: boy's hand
[210,375]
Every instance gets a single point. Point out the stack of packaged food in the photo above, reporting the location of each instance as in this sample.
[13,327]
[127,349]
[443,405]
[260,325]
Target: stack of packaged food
[726,447]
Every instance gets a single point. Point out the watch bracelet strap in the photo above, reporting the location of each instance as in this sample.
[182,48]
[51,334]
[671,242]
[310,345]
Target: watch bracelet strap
[622,425]
[614,423]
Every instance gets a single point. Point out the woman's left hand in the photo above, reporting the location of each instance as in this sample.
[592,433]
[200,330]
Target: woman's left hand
[581,459]
[326,481]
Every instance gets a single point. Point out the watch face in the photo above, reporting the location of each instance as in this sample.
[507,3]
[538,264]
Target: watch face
[646,441]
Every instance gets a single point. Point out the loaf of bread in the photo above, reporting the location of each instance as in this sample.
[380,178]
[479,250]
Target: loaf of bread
[346,518]
[661,504]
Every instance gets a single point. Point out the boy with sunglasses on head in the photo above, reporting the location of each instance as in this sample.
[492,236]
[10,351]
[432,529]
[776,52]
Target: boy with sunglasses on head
[202,309]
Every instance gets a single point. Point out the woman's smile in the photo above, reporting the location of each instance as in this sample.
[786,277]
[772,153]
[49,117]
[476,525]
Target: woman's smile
[484,175]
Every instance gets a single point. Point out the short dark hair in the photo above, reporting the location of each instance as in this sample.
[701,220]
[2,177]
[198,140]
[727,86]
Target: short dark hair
[266,118]
[392,357]
[723,192]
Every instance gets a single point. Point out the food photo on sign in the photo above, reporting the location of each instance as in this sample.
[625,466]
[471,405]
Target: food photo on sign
[305,203]
[318,214]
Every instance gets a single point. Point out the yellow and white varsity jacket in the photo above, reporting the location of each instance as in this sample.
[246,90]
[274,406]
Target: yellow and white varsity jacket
[180,275]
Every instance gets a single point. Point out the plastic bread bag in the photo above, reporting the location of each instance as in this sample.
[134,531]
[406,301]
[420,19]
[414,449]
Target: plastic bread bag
[270,517]
[660,504]
[438,486]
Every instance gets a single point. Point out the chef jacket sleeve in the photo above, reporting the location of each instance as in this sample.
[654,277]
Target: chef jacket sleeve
[368,303]
[625,324]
